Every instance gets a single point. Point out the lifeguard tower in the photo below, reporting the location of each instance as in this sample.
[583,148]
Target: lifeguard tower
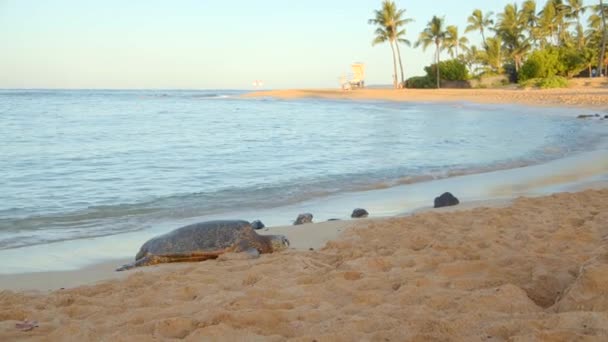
[358,77]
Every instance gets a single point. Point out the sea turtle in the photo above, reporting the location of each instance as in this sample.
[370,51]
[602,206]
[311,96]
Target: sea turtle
[206,240]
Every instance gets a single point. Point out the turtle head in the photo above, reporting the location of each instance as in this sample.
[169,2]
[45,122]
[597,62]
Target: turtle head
[279,242]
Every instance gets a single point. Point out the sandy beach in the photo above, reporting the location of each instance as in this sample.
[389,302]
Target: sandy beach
[524,270]
[585,97]
[532,271]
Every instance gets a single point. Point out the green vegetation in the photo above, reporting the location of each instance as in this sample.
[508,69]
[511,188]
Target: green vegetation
[450,70]
[545,83]
[534,44]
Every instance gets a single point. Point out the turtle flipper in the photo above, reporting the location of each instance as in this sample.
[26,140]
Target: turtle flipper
[147,260]
[246,249]
[251,253]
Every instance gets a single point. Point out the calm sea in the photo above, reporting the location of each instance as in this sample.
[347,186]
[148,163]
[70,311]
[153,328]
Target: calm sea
[89,163]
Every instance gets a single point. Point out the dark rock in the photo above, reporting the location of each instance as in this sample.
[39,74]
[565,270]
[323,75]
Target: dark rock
[585,116]
[333,219]
[446,200]
[597,115]
[359,213]
[303,218]
[257,224]
[605,116]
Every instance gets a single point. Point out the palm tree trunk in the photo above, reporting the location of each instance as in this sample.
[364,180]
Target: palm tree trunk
[394,66]
[400,64]
[437,66]
[483,38]
[603,51]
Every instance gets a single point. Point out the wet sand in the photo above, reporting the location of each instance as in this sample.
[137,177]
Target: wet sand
[535,270]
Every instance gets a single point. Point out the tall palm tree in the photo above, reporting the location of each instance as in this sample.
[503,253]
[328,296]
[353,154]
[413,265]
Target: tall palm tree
[529,19]
[574,10]
[390,21]
[604,33]
[399,35]
[453,41]
[434,33]
[478,22]
[492,54]
[552,20]
[510,28]
[383,36]
[547,29]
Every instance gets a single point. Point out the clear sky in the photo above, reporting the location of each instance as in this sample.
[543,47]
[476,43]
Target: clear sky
[206,44]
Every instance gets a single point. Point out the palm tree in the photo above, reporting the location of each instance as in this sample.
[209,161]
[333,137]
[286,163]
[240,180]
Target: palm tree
[529,19]
[383,34]
[453,41]
[510,28]
[492,55]
[478,22]
[552,21]
[399,35]
[434,33]
[546,24]
[574,9]
[390,21]
[603,50]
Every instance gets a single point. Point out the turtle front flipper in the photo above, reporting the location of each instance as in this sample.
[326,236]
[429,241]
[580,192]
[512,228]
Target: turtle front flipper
[245,248]
[145,261]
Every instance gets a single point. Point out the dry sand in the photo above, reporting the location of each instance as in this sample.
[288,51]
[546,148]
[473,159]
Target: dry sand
[596,98]
[535,270]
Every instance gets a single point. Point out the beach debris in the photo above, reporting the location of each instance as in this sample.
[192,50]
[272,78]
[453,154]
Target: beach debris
[303,218]
[206,240]
[359,213]
[333,219]
[257,224]
[446,200]
[26,325]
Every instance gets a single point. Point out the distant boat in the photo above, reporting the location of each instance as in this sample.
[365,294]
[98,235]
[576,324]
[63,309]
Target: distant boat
[258,83]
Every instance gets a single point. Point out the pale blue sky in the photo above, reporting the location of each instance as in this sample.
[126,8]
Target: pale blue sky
[205,44]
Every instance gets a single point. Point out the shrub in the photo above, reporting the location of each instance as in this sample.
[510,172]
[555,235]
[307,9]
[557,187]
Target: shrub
[554,61]
[573,61]
[553,82]
[423,82]
[450,70]
[541,64]
[546,82]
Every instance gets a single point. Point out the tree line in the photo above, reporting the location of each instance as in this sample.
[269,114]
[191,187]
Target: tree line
[526,42]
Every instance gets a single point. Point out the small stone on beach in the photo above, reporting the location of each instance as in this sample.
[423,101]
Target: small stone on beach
[446,200]
[303,218]
[359,213]
[257,224]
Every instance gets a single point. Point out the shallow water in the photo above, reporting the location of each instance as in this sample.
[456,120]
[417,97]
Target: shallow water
[83,164]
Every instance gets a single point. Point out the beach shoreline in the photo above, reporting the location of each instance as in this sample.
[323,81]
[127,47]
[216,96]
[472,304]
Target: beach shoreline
[577,97]
[316,237]
[497,265]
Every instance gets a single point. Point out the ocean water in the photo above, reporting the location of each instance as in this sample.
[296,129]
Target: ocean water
[83,164]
